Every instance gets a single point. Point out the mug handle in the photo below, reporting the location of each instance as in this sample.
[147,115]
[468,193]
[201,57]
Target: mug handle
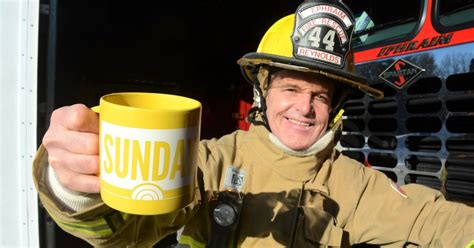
[96,109]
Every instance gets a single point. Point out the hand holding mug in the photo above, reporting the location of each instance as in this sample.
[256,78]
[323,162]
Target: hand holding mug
[72,142]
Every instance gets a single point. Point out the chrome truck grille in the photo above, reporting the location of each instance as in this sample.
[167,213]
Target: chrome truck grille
[421,134]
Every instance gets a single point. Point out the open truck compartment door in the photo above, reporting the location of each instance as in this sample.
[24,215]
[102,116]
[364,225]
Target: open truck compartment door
[18,88]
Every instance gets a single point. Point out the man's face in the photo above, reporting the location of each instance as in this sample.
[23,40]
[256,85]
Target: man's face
[298,107]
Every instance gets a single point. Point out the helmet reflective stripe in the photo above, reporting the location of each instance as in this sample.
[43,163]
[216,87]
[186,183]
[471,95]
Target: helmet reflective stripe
[94,227]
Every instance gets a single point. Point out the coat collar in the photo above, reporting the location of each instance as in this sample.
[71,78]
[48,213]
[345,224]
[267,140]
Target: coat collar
[290,164]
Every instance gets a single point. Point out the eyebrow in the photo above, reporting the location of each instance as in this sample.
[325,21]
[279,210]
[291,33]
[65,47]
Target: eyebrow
[329,86]
[296,86]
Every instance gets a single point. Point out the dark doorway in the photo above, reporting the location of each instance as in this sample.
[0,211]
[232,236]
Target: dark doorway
[190,48]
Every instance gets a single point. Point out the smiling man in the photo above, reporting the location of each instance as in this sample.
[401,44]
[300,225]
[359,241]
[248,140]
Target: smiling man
[280,184]
[298,107]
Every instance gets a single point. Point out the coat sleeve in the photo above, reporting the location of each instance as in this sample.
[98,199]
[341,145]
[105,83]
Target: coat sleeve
[102,226]
[381,213]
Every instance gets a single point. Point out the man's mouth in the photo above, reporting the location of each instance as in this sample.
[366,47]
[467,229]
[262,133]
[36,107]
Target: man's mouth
[304,124]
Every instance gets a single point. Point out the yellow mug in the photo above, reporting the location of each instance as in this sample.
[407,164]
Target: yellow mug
[148,151]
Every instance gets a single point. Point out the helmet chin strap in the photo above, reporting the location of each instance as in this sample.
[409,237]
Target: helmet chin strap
[260,107]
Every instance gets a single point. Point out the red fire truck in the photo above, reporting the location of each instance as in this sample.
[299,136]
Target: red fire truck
[420,53]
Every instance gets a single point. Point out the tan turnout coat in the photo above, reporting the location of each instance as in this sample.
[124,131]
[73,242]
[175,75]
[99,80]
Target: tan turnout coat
[334,200]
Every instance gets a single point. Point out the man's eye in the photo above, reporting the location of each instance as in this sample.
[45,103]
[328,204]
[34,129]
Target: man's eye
[322,97]
[289,89]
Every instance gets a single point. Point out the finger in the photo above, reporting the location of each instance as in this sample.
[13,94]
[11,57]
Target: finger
[79,117]
[72,141]
[77,163]
[78,182]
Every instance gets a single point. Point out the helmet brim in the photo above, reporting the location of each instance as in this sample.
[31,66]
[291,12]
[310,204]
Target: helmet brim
[250,62]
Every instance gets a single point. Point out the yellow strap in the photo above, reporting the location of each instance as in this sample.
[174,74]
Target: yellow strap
[103,230]
[471,244]
[96,227]
[187,240]
[336,118]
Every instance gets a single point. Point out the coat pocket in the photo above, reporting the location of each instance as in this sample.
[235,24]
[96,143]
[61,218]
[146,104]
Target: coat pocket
[319,227]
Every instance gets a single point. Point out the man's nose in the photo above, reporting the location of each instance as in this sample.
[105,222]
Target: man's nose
[305,103]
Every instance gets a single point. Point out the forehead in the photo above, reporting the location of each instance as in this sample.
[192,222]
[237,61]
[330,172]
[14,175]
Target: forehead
[302,78]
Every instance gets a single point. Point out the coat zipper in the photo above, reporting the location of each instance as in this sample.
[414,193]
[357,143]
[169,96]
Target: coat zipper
[296,218]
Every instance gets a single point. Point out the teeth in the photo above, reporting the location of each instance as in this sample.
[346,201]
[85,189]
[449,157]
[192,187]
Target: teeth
[299,122]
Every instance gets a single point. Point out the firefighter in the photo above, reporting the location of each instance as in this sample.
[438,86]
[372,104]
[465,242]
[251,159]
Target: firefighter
[280,184]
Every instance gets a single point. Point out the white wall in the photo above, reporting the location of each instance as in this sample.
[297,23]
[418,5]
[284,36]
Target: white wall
[18,87]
